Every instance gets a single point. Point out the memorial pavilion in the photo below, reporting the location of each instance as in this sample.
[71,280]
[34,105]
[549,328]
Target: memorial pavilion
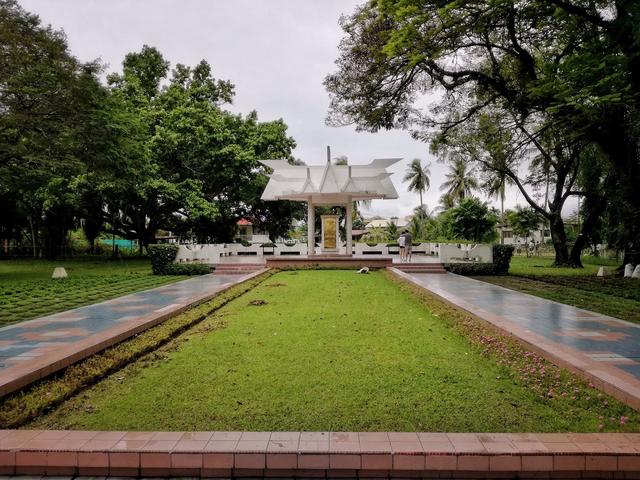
[331,186]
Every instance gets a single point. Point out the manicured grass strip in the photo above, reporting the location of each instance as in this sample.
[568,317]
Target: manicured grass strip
[522,265]
[20,407]
[617,297]
[338,351]
[551,384]
[27,291]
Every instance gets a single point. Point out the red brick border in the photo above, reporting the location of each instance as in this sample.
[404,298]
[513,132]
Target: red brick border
[319,454]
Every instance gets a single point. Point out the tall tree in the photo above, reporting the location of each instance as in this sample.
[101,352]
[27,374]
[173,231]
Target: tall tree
[473,220]
[583,85]
[460,180]
[53,127]
[418,177]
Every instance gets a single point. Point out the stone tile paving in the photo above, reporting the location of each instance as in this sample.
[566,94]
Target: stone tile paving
[604,347]
[32,344]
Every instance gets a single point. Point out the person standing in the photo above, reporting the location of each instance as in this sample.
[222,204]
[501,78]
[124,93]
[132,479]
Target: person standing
[401,247]
[408,246]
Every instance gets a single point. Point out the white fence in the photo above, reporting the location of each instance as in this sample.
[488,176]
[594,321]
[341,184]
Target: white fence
[450,253]
[211,253]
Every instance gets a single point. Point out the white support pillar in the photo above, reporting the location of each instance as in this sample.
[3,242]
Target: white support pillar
[349,227]
[311,228]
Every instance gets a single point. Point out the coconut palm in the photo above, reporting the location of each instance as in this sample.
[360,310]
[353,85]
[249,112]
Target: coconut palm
[496,187]
[418,177]
[460,181]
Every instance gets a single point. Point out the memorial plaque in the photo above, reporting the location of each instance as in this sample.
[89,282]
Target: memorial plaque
[329,230]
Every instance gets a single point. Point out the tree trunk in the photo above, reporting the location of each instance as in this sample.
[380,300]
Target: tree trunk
[33,236]
[593,208]
[502,214]
[559,239]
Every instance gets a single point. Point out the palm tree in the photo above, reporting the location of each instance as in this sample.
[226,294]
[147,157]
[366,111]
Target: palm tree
[460,181]
[418,177]
[496,187]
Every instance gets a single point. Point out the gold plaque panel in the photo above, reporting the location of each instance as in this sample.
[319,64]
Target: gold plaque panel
[329,229]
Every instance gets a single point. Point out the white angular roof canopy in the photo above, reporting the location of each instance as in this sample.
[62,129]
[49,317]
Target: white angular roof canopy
[330,184]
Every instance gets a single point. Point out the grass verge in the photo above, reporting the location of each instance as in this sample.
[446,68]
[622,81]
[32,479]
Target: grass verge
[522,265]
[22,406]
[337,351]
[549,382]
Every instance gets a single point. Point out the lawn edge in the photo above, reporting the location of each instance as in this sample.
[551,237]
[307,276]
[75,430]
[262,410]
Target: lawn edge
[35,398]
[584,378]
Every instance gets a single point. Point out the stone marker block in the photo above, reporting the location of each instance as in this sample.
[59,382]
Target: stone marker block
[636,272]
[59,272]
[604,272]
[628,270]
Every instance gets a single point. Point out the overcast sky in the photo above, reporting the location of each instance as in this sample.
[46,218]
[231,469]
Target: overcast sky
[276,52]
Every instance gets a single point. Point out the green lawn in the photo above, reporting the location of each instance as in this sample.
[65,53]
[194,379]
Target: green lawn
[331,350]
[28,291]
[615,296]
[522,265]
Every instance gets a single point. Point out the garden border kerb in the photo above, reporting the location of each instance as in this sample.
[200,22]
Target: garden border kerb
[320,454]
[19,376]
[611,381]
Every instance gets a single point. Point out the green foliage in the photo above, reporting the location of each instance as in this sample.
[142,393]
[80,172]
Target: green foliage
[187,269]
[149,151]
[471,269]
[460,182]
[392,229]
[500,266]
[523,221]
[502,258]
[162,256]
[376,235]
[473,220]
[518,106]
[418,177]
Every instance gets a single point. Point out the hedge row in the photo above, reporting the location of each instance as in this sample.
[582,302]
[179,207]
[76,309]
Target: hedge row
[162,257]
[501,259]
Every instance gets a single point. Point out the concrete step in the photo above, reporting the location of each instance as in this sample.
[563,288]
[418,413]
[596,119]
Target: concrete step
[237,269]
[421,268]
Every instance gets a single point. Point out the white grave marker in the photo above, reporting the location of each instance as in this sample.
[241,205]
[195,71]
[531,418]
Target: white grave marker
[628,270]
[59,272]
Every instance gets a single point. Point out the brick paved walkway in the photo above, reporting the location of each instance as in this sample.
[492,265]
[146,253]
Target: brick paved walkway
[604,349]
[320,455]
[36,348]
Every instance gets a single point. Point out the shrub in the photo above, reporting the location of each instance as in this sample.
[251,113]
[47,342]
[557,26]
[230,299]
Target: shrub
[162,256]
[187,269]
[471,268]
[500,266]
[502,258]
[242,242]
[268,245]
